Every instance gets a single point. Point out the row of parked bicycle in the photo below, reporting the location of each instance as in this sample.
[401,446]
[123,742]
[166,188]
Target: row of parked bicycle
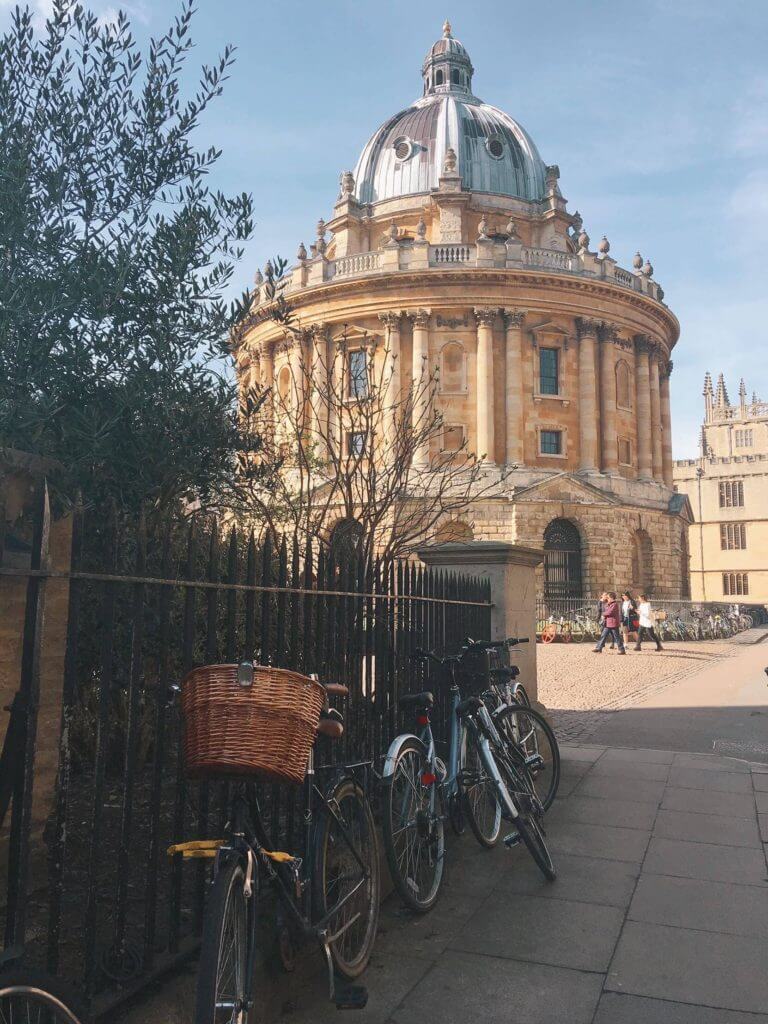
[581,627]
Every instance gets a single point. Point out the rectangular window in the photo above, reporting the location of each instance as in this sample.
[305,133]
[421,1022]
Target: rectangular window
[358,373]
[735,584]
[743,438]
[551,442]
[733,536]
[356,444]
[549,359]
[731,494]
[453,437]
[625,451]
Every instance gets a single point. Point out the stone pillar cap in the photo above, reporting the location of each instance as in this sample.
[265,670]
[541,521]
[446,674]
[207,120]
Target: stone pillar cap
[478,552]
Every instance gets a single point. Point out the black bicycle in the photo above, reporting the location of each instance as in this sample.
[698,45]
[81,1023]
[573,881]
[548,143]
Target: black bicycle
[330,895]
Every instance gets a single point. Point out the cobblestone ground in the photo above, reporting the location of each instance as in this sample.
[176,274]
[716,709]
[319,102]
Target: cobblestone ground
[577,686]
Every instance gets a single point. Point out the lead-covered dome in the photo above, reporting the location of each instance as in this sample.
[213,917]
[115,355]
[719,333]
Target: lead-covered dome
[406,155]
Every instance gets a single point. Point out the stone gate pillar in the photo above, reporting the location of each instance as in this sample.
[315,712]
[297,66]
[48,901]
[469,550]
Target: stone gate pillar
[511,571]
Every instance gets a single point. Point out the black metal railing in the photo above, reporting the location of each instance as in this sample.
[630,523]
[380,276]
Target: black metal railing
[147,601]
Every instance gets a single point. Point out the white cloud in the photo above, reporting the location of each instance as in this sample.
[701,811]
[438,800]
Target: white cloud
[750,119]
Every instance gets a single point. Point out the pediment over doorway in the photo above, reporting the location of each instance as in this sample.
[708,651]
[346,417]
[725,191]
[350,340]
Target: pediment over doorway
[564,487]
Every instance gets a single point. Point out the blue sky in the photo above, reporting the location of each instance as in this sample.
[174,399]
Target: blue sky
[655,111]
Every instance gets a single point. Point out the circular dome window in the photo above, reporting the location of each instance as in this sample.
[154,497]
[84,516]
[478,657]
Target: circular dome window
[495,147]
[403,148]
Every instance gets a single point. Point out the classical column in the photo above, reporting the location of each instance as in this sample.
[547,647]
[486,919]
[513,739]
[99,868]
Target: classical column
[656,456]
[587,330]
[513,322]
[318,408]
[610,457]
[421,384]
[666,425]
[267,368]
[336,397]
[643,406]
[484,396]
[391,373]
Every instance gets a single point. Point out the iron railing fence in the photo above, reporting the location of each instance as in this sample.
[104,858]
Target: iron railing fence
[147,601]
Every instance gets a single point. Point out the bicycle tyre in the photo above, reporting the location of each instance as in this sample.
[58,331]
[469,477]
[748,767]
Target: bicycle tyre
[530,831]
[418,893]
[352,950]
[520,696]
[225,912]
[486,829]
[526,722]
[22,988]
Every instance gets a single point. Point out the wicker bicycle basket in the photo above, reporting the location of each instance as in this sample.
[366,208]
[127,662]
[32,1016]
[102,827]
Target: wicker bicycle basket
[265,730]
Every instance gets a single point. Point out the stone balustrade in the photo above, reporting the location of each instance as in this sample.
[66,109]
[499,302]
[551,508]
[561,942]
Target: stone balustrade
[487,253]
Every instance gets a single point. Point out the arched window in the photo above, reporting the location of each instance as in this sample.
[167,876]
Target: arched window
[453,369]
[642,562]
[456,531]
[562,565]
[438,78]
[623,385]
[284,384]
[455,76]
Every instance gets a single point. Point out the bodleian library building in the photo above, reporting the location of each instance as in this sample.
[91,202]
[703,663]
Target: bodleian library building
[451,244]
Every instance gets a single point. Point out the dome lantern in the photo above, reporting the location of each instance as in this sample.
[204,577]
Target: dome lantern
[447,67]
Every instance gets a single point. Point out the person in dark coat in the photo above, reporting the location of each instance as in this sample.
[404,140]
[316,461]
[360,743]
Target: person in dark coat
[601,614]
[611,624]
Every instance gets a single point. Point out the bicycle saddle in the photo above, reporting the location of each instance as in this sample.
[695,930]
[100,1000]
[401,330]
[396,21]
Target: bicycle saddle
[507,672]
[418,700]
[331,724]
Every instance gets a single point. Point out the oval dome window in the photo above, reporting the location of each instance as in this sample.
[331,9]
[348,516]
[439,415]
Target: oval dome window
[495,147]
[403,148]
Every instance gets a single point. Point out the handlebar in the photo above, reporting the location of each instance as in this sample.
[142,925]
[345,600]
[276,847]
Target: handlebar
[469,645]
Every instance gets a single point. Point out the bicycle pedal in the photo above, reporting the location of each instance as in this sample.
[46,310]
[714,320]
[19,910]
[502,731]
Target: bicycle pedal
[351,997]
[513,839]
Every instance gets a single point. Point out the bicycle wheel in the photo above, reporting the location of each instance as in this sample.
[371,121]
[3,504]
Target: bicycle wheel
[520,696]
[414,838]
[481,804]
[528,735]
[338,839]
[221,974]
[32,997]
[528,821]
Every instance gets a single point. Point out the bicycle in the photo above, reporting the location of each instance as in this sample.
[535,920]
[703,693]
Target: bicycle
[330,895]
[418,785]
[418,789]
[522,726]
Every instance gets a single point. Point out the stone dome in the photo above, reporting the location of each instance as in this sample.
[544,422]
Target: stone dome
[406,155]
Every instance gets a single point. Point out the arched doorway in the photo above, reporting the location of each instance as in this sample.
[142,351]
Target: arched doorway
[562,564]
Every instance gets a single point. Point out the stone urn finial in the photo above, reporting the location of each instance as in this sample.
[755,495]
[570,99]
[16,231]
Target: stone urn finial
[258,279]
[647,270]
[482,228]
[347,184]
[583,241]
[637,261]
[421,229]
[392,233]
[512,230]
[301,255]
[578,223]
[449,164]
[604,246]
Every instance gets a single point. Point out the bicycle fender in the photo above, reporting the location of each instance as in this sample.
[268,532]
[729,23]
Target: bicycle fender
[394,751]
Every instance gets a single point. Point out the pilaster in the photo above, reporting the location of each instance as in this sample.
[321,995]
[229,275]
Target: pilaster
[587,332]
[610,458]
[643,348]
[513,323]
[485,413]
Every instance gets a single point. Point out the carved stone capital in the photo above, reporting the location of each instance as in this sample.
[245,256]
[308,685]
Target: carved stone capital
[513,317]
[587,327]
[391,319]
[667,368]
[643,344]
[421,318]
[319,330]
[608,333]
[486,317]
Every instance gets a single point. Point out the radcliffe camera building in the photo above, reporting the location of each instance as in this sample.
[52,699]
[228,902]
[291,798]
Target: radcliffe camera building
[728,490]
[452,242]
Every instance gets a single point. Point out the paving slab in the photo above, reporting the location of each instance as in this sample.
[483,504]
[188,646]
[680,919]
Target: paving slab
[567,785]
[706,861]
[624,844]
[561,933]
[463,987]
[707,828]
[643,791]
[683,777]
[760,781]
[594,811]
[630,770]
[574,752]
[620,1009]
[711,763]
[761,799]
[707,906]
[736,805]
[763,822]
[424,935]
[586,879]
[639,754]
[691,967]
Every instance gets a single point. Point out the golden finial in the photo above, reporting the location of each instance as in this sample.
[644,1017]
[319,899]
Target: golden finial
[447,29]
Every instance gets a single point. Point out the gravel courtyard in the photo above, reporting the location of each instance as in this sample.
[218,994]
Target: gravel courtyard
[576,685]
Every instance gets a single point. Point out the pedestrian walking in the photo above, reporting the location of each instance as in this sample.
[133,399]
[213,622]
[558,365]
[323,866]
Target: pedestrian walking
[601,615]
[629,619]
[611,623]
[647,629]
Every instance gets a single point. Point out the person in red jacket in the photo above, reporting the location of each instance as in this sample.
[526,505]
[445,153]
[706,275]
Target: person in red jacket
[611,623]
